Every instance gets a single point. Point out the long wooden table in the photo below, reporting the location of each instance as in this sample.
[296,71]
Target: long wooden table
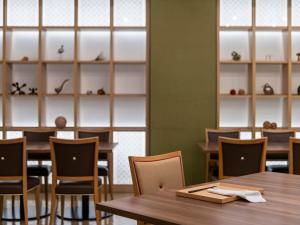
[282,192]
[274,150]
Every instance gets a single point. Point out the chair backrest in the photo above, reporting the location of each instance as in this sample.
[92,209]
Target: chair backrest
[154,173]
[13,159]
[74,159]
[294,156]
[212,135]
[278,135]
[241,157]
[38,136]
[104,136]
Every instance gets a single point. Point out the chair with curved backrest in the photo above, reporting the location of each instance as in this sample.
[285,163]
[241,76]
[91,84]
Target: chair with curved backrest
[212,136]
[278,136]
[13,174]
[294,156]
[74,171]
[103,171]
[40,170]
[241,157]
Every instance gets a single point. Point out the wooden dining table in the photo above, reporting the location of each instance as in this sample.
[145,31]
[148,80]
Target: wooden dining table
[282,206]
[275,150]
[40,151]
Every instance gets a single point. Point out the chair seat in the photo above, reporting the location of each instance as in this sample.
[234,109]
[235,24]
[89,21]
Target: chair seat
[102,171]
[15,187]
[38,170]
[75,188]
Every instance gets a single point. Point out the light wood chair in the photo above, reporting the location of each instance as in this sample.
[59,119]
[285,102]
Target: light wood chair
[13,175]
[241,157]
[75,167]
[212,136]
[294,156]
[151,174]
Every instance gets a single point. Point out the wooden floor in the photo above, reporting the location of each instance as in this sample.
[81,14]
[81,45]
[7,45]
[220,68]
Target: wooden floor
[114,220]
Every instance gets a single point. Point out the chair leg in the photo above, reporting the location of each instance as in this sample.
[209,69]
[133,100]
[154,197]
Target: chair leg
[53,206]
[1,207]
[105,188]
[110,187]
[25,203]
[37,203]
[62,208]
[13,198]
[46,192]
[97,198]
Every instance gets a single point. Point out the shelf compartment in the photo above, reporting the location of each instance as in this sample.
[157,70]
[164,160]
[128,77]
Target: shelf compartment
[14,134]
[55,75]
[130,79]
[295,112]
[295,78]
[93,78]
[129,111]
[93,13]
[23,111]
[130,13]
[65,134]
[271,46]
[20,13]
[235,112]
[92,43]
[94,111]
[59,106]
[235,77]
[130,46]
[52,41]
[1,112]
[275,75]
[271,109]
[295,12]
[58,13]
[235,41]
[1,13]
[295,46]
[22,43]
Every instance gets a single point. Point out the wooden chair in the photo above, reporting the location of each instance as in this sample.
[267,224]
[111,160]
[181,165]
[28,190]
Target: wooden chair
[275,136]
[241,157]
[212,136]
[294,156]
[75,167]
[103,171]
[13,175]
[40,170]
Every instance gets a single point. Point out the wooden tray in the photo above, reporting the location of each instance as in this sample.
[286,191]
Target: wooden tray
[200,192]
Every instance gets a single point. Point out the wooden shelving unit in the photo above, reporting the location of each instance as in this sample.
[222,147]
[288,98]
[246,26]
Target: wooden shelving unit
[266,34]
[37,28]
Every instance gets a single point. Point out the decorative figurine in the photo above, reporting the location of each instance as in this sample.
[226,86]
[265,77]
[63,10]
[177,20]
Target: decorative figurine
[100,57]
[232,92]
[18,89]
[241,92]
[89,92]
[298,55]
[60,122]
[60,88]
[61,50]
[235,56]
[266,125]
[273,125]
[298,90]
[33,91]
[268,90]
[101,92]
[25,59]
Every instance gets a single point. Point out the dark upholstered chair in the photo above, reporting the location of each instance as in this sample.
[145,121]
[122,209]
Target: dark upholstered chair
[40,170]
[103,171]
[278,136]
[241,157]
[212,136]
[294,156]
[13,174]
[74,171]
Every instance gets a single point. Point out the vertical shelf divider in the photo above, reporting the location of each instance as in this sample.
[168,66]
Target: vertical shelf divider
[289,74]
[75,71]
[5,88]
[253,69]
[218,63]
[40,74]
[111,70]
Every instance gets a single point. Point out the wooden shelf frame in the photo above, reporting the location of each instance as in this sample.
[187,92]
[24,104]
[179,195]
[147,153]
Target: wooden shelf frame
[253,62]
[41,64]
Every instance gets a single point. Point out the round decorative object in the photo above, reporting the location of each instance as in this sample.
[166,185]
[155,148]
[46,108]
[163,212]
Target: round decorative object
[267,125]
[60,122]
[268,90]
[273,125]
[101,92]
[232,92]
[241,92]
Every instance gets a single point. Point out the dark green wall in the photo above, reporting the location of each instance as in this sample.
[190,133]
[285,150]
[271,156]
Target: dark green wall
[183,79]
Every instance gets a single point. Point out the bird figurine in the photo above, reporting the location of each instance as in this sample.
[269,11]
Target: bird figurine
[100,57]
[235,56]
[61,50]
[268,90]
[60,88]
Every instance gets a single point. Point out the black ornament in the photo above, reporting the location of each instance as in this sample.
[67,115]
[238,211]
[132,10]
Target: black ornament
[18,89]
[32,91]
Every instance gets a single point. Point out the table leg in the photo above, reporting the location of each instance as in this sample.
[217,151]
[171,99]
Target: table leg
[207,167]
[85,207]
[110,162]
